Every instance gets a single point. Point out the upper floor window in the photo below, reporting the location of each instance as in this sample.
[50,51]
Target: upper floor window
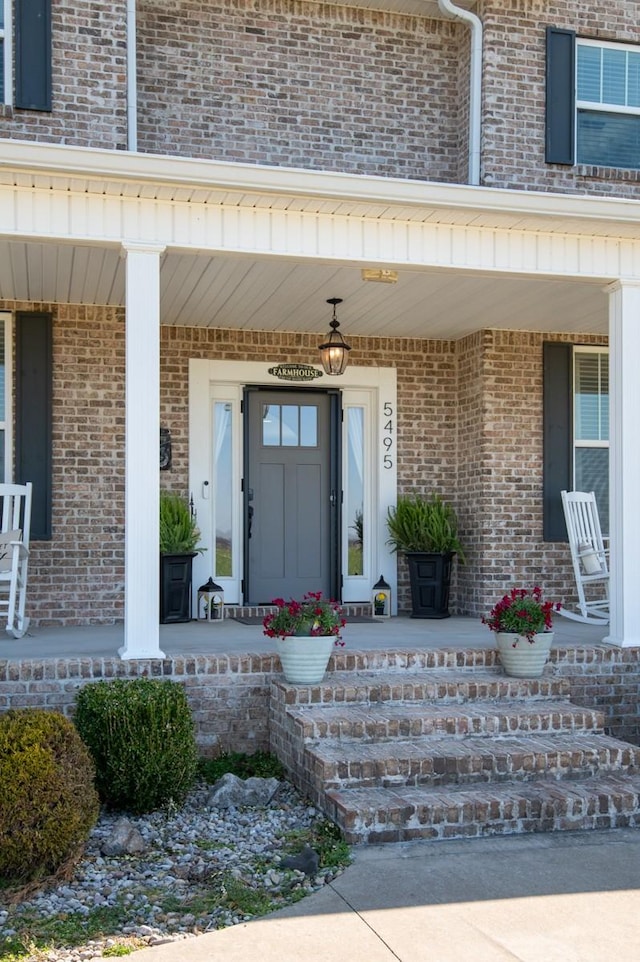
[25,54]
[5,52]
[592,101]
[608,104]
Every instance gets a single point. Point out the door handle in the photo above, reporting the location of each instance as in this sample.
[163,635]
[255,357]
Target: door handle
[250,521]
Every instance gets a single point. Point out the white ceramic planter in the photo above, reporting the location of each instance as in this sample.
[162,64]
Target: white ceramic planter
[304,659]
[522,658]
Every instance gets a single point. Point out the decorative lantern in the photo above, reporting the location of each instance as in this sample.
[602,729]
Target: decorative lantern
[210,602]
[381,599]
[334,352]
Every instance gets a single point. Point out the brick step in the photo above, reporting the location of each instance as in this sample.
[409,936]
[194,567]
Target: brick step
[443,761]
[460,811]
[392,721]
[411,685]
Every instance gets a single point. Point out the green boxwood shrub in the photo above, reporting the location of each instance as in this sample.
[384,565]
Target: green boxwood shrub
[141,735]
[48,802]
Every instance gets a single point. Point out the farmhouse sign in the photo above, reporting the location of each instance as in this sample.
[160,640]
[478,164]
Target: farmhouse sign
[295,372]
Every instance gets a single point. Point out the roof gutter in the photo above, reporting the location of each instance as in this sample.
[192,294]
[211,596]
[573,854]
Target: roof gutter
[475,84]
[132,81]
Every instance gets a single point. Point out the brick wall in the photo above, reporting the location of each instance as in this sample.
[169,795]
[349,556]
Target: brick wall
[513,139]
[88,80]
[301,85]
[469,428]
[319,86]
[500,469]
[229,695]
[77,577]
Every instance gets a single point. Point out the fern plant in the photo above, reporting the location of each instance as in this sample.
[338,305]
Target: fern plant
[424,524]
[179,532]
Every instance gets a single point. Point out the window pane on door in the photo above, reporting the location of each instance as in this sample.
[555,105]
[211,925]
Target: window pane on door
[308,426]
[290,425]
[223,490]
[290,433]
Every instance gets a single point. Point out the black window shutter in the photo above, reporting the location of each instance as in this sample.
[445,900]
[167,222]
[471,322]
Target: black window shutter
[33,54]
[33,415]
[557,438]
[561,107]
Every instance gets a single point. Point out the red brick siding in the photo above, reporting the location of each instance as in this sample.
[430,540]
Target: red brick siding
[469,427]
[500,476]
[513,139]
[301,85]
[229,695]
[89,80]
[318,86]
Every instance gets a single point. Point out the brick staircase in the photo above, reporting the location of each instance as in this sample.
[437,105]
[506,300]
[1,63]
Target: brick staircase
[445,752]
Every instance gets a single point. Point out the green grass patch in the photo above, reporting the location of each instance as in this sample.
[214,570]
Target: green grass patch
[242,898]
[258,765]
[116,951]
[326,839]
[35,937]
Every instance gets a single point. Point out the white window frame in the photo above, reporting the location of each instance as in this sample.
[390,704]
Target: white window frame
[601,106]
[7,425]
[6,39]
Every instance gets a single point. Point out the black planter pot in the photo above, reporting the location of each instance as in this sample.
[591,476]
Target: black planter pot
[175,588]
[430,578]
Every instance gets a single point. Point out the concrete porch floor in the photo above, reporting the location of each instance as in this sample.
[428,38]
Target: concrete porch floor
[231,637]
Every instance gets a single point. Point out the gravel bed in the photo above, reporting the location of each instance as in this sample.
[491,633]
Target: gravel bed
[191,853]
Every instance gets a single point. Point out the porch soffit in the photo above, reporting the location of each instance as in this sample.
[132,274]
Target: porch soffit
[62,169]
[267,259]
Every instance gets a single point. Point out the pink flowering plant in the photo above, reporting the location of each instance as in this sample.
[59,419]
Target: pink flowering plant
[522,612]
[314,615]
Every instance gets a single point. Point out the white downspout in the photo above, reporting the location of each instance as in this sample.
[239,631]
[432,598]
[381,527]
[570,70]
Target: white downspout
[132,82]
[475,84]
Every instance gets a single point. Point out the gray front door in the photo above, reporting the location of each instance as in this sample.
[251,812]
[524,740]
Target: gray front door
[291,496]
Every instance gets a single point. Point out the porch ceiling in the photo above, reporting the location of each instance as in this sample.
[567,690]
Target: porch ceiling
[271,294]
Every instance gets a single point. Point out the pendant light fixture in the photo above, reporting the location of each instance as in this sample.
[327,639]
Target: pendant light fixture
[334,353]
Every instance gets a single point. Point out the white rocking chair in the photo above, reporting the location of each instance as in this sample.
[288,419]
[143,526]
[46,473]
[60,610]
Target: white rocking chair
[14,554]
[589,556]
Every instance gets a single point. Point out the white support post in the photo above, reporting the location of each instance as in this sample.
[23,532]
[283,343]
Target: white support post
[142,468]
[624,462]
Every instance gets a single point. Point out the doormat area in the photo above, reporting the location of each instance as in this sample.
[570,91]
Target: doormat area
[350,619]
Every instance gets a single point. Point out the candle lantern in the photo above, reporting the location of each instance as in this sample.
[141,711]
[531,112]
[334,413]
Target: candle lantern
[210,602]
[381,599]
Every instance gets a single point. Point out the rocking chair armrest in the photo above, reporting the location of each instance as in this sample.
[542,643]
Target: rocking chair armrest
[23,551]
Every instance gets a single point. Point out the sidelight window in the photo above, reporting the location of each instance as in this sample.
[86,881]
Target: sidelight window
[223,488]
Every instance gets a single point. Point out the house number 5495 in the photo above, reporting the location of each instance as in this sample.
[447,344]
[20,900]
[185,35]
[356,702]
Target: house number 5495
[387,435]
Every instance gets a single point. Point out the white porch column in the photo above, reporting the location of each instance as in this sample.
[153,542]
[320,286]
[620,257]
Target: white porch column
[624,462]
[142,468]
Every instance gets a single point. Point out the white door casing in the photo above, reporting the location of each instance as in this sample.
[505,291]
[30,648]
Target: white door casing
[373,389]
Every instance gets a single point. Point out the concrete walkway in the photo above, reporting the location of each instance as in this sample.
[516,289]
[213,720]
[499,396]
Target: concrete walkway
[544,898]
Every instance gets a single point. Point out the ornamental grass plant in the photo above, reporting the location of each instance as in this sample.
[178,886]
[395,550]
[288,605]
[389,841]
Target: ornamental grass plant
[522,612]
[422,524]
